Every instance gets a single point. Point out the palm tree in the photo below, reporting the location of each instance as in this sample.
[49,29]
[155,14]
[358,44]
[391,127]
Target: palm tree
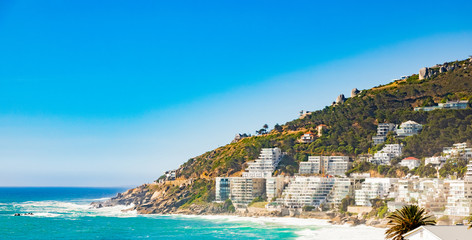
[405,220]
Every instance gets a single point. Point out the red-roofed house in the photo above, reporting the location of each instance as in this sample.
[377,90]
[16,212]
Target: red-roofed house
[307,137]
[410,162]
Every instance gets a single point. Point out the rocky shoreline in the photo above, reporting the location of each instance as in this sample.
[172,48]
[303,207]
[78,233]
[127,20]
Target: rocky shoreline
[148,199]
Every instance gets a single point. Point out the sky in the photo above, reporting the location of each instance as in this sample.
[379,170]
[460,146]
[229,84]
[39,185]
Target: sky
[114,93]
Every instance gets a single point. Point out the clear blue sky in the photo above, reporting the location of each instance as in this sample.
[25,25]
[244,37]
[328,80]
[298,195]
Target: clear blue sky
[113,93]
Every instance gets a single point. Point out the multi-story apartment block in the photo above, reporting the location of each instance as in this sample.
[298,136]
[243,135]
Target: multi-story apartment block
[407,190]
[244,190]
[382,130]
[433,195]
[265,165]
[342,187]
[388,152]
[275,186]
[307,191]
[373,188]
[330,165]
[222,188]
[459,199]
[408,128]
[468,174]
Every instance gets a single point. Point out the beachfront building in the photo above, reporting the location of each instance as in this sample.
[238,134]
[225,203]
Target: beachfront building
[410,162]
[222,188]
[342,187]
[328,165]
[382,130]
[306,191]
[373,188]
[265,165]
[244,190]
[408,128]
[386,154]
[462,104]
[275,186]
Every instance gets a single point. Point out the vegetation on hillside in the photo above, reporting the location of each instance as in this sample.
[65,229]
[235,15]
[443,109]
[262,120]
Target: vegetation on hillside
[351,126]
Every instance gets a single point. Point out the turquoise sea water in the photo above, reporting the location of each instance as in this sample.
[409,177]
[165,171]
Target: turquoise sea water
[64,213]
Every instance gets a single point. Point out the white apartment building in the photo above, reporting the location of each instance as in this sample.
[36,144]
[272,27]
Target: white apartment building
[342,187]
[388,152]
[407,190]
[265,165]
[459,200]
[410,162]
[437,161]
[244,190]
[329,165]
[382,130]
[274,186]
[433,195]
[408,128]
[222,188]
[307,191]
[458,150]
[468,174]
[373,188]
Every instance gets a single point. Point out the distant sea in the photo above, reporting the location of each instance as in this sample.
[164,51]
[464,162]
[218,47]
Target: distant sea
[64,213]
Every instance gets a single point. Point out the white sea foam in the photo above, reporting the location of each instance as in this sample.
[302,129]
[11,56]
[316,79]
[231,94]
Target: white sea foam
[288,221]
[70,209]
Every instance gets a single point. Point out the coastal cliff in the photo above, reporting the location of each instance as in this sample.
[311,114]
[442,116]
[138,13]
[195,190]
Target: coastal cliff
[350,125]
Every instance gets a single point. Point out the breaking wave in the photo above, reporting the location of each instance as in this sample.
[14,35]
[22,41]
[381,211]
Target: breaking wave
[71,209]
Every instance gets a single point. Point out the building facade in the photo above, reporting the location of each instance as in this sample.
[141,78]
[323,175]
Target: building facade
[328,165]
[307,191]
[244,190]
[382,130]
[387,153]
[408,128]
[222,188]
[410,162]
[265,165]
[373,188]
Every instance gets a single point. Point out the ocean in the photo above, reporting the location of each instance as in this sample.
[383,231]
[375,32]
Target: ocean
[64,213]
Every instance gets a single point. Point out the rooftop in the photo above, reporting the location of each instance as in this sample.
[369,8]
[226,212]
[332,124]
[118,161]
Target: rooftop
[454,232]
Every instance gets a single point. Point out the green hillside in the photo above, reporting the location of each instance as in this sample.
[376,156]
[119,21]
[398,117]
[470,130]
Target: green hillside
[351,126]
